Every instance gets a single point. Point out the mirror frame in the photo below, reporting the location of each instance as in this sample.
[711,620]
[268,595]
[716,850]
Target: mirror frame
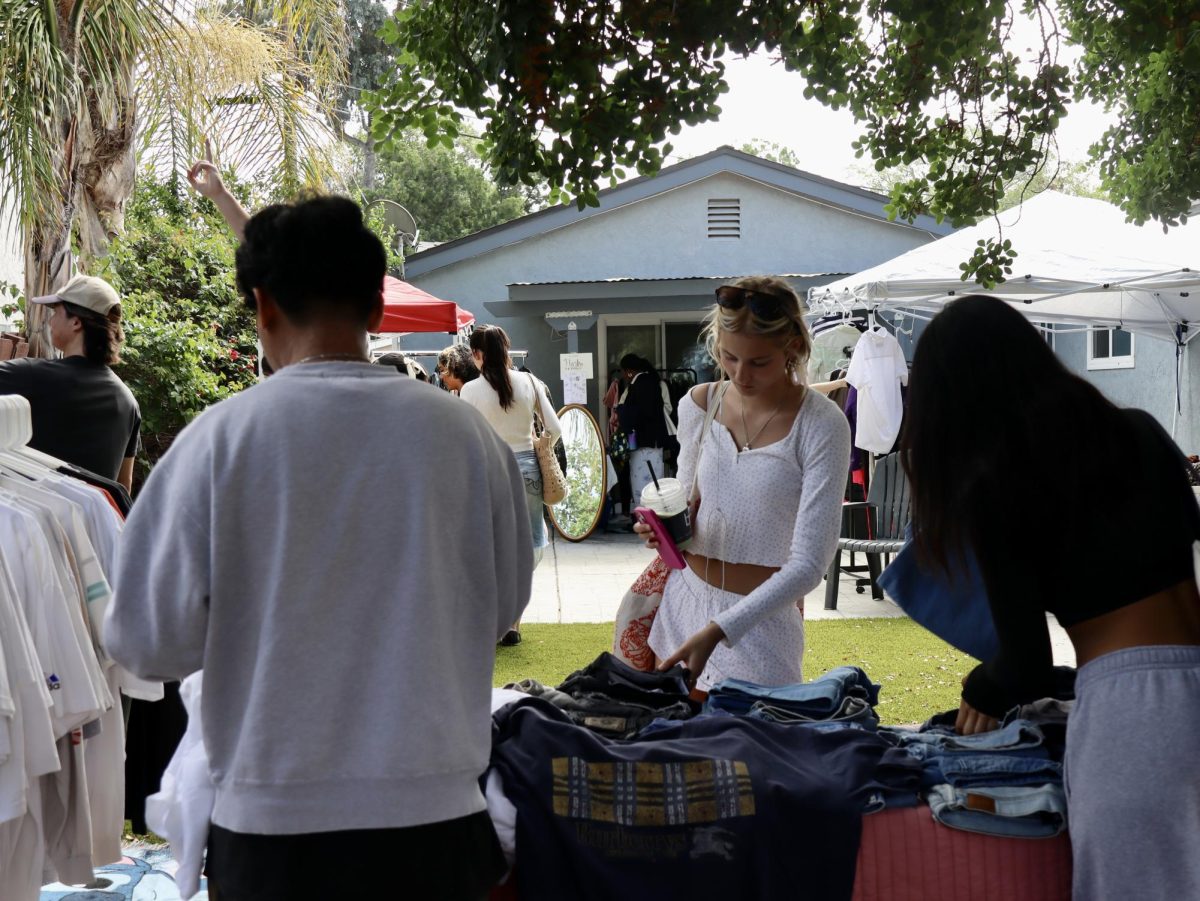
[603,479]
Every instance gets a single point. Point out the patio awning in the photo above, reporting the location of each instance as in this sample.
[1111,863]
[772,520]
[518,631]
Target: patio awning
[407,309]
[1079,263]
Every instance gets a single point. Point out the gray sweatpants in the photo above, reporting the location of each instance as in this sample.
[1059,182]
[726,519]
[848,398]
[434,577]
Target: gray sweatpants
[1133,776]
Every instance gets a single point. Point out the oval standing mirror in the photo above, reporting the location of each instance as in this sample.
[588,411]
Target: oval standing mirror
[587,477]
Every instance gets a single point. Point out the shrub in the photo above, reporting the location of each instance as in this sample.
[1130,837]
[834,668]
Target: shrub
[190,340]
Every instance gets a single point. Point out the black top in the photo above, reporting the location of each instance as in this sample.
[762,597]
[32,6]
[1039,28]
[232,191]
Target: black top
[1125,534]
[82,413]
[643,411]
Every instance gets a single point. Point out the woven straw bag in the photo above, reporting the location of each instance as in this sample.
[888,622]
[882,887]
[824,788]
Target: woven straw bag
[639,606]
[554,483]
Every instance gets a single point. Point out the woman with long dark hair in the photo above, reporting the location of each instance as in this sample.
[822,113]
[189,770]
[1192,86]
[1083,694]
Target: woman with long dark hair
[1079,508]
[507,399]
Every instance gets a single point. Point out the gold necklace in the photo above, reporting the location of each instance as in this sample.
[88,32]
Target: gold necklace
[346,358]
[746,430]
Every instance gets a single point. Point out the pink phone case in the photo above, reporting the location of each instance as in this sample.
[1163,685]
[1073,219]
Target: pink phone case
[666,545]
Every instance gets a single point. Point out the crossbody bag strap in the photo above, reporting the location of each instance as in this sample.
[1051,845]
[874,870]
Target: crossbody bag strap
[715,394]
[537,405]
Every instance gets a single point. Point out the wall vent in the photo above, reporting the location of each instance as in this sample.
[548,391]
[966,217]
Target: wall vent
[724,217]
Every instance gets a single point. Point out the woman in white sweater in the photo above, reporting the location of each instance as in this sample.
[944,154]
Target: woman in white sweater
[507,399]
[771,477]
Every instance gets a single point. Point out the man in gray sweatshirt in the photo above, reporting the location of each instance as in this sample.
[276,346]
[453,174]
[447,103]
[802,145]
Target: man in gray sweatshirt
[338,548]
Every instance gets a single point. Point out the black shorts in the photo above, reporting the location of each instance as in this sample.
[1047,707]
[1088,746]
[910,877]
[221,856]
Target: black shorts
[451,860]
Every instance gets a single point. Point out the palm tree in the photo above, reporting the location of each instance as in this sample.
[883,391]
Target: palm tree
[74,75]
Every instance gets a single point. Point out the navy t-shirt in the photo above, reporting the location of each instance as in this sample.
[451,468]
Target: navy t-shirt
[714,807]
[82,413]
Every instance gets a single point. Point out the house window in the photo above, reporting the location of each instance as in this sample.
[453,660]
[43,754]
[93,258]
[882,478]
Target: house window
[724,217]
[1110,348]
[1047,332]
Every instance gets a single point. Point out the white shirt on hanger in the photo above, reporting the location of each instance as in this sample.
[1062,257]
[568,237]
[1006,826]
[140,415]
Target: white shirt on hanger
[33,735]
[877,370]
[54,620]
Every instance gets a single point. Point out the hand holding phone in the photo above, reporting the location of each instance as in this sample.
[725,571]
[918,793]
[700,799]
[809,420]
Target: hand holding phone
[666,545]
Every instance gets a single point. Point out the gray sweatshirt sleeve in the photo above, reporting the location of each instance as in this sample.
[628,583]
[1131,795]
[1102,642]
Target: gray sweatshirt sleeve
[158,620]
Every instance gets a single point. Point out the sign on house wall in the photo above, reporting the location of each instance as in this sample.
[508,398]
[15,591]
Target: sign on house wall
[575,364]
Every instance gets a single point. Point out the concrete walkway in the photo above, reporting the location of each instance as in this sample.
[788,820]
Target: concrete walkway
[584,582]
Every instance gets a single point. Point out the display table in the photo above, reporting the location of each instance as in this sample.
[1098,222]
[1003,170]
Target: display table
[907,856]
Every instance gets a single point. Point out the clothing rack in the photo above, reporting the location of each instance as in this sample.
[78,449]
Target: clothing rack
[433,353]
[72,722]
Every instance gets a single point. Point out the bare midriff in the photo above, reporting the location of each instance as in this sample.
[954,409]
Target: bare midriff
[738,578]
[1171,616]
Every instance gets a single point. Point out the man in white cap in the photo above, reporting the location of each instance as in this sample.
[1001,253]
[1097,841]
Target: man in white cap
[82,412]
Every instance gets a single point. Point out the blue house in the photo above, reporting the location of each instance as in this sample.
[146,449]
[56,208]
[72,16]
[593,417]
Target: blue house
[637,273]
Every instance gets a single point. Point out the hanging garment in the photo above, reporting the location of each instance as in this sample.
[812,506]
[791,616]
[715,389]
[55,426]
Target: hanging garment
[180,811]
[61,731]
[829,350]
[877,370]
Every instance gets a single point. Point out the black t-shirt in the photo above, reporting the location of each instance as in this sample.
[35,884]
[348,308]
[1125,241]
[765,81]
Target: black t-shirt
[642,411]
[1122,534]
[82,413]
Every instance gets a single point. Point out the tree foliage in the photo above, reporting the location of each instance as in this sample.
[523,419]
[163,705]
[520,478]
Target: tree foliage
[79,79]
[447,189]
[370,58]
[261,80]
[190,340]
[773,151]
[571,90]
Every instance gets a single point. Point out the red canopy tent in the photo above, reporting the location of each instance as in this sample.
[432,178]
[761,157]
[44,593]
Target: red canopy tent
[406,308]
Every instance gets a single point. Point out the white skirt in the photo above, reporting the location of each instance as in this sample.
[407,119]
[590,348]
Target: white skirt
[770,653]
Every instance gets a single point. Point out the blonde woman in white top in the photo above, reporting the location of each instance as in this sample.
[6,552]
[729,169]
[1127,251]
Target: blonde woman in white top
[507,399]
[772,476]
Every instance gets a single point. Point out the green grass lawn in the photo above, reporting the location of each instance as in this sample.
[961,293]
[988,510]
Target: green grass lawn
[920,674]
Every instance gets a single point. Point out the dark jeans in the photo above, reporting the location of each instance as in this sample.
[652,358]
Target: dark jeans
[455,860]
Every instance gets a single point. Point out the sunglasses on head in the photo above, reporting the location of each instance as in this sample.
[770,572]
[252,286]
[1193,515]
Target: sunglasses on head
[761,303]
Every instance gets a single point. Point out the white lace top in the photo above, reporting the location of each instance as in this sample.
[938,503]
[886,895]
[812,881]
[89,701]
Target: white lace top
[776,505]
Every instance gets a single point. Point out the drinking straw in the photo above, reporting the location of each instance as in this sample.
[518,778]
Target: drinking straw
[650,466]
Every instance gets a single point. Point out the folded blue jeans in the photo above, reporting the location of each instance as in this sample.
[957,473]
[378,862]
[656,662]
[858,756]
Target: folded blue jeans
[1010,811]
[819,699]
[853,710]
[1016,735]
[970,770]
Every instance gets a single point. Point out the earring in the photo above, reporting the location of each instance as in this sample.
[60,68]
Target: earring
[794,372]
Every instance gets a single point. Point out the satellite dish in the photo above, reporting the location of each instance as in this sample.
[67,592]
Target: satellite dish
[400,219]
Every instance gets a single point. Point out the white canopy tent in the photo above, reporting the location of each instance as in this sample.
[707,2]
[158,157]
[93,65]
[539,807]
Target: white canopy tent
[1078,263]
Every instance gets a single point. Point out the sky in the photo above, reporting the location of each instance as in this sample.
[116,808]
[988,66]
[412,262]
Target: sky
[766,102]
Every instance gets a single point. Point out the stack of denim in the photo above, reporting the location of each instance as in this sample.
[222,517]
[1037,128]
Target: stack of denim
[611,698]
[844,696]
[1007,782]
[842,699]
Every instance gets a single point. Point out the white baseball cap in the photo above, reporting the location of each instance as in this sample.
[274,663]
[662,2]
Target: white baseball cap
[85,291]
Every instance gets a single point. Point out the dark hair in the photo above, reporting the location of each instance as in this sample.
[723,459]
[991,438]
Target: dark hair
[395,360]
[457,360]
[492,342]
[638,364]
[993,421]
[102,335]
[316,258]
